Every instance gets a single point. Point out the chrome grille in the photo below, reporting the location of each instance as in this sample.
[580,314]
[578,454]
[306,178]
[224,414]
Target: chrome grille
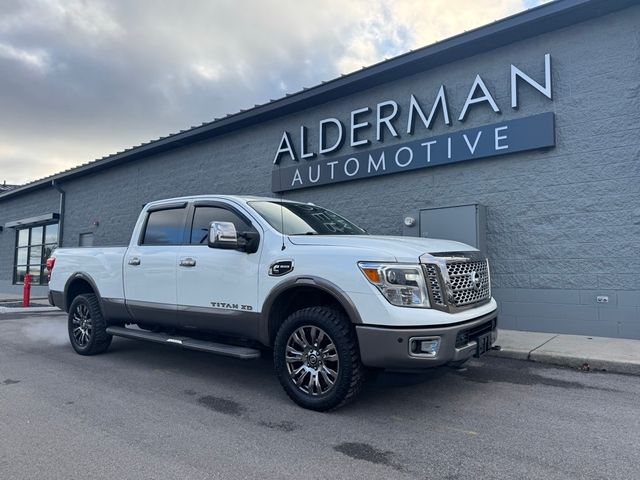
[434,284]
[469,282]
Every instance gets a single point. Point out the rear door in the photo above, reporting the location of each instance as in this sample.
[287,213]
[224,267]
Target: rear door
[150,266]
[218,288]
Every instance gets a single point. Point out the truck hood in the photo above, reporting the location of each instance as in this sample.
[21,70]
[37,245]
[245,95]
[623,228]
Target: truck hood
[378,247]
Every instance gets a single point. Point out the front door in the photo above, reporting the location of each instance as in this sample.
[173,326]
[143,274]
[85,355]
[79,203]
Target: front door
[150,267]
[217,288]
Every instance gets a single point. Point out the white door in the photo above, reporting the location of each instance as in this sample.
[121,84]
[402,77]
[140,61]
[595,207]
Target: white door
[217,288]
[150,267]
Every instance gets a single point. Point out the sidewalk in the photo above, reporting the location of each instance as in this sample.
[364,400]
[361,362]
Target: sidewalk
[32,309]
[12,303]
[617,355]
[16,298]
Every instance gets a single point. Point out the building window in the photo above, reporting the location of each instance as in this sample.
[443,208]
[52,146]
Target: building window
[33,247]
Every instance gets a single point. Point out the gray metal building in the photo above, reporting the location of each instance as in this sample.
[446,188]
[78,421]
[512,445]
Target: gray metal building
[531,125]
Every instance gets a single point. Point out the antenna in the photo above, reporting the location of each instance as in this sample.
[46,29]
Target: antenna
[280,196]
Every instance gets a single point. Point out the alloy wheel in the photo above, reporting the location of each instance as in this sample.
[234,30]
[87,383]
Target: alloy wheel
[82,325]
[312,360]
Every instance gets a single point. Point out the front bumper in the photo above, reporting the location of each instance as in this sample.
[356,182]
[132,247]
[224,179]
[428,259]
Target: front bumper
[389,348]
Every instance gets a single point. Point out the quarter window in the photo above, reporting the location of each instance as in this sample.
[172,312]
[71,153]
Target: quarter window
[34,246]
[165,227]
[205,215]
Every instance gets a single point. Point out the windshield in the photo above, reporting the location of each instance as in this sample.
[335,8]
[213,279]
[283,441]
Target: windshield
[304,219]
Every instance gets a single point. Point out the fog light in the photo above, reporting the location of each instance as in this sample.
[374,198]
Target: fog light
[425,346]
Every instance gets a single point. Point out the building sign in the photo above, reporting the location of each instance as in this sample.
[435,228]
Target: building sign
[320,165]
[512,136]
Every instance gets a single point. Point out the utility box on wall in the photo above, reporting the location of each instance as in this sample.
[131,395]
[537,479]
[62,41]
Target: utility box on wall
[463,223]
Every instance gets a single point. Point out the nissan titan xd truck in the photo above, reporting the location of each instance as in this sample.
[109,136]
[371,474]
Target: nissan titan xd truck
[241,276]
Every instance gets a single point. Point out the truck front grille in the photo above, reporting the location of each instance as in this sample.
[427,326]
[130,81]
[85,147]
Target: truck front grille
[434,284]
[458,282]
[469,281]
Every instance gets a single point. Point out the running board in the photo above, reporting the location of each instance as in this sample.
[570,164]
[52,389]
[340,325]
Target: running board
[244,353]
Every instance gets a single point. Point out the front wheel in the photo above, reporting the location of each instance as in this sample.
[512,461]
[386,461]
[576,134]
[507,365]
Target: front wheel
[317,359]
[87,327]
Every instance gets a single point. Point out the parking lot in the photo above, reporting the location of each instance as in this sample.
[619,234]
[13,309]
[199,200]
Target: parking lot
[149,411]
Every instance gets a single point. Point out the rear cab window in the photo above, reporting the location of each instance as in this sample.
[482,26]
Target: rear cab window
[164,227]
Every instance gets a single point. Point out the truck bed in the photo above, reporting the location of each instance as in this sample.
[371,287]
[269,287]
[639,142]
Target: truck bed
[103,264]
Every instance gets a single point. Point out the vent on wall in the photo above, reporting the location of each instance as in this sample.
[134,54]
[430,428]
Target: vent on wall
[86,240]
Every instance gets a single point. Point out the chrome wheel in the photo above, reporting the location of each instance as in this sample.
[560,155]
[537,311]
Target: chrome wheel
[82,325]
[312,360]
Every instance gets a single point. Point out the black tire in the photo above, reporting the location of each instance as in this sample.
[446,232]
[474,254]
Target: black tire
[93,337]
[350,372]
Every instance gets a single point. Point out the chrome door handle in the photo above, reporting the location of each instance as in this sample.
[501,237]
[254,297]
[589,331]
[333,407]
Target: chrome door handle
[135,261]
[187,262]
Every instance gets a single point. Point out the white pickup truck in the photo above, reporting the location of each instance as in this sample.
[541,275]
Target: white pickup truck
[237,275]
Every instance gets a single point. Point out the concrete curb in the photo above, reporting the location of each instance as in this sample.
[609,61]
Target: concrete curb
[581,363]
[613,355]
[29,310]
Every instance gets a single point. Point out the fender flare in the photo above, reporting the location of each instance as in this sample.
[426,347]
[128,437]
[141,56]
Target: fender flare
[305,281]
[80,276]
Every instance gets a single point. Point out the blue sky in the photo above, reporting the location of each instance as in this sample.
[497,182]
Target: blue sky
[83,79]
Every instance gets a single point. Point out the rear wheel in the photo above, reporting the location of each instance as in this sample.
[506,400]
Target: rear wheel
[317,359]
[87,327]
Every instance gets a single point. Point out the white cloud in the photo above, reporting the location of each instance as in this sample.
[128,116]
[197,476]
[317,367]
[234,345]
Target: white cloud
[35,59]
[208,71]
[91,19]
[384,29]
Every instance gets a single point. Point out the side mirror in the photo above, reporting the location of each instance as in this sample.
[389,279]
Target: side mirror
[248,241]
[223,235]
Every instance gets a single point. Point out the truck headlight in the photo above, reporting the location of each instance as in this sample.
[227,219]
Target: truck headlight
[402,285]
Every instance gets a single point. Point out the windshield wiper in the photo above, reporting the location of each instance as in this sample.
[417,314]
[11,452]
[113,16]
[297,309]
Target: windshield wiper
[305,233]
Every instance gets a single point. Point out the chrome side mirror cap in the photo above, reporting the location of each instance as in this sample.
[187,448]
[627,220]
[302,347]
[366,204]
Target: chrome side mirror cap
[223,235]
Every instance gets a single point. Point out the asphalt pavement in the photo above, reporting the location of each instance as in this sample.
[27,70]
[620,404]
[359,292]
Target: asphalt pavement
[150,411]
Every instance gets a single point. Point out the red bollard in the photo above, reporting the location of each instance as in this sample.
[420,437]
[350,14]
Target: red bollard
[26,291]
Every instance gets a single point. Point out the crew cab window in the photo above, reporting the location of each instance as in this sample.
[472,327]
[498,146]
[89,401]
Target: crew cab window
[165,227]
[205,215]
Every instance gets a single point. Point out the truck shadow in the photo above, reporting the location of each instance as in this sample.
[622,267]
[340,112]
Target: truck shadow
[255,375]
[255,380]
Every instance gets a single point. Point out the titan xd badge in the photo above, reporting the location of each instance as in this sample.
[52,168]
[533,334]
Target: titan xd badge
[231,306]
[280,268]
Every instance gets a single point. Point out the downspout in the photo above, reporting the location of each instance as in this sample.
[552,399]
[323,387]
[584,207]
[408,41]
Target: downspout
[55,185]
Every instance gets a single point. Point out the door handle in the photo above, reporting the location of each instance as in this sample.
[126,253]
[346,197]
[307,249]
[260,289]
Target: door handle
[135,261]
[187,262]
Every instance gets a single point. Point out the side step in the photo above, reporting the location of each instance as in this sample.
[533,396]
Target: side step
[244,353]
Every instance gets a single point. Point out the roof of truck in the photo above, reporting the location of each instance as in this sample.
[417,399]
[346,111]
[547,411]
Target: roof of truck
[242,198]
